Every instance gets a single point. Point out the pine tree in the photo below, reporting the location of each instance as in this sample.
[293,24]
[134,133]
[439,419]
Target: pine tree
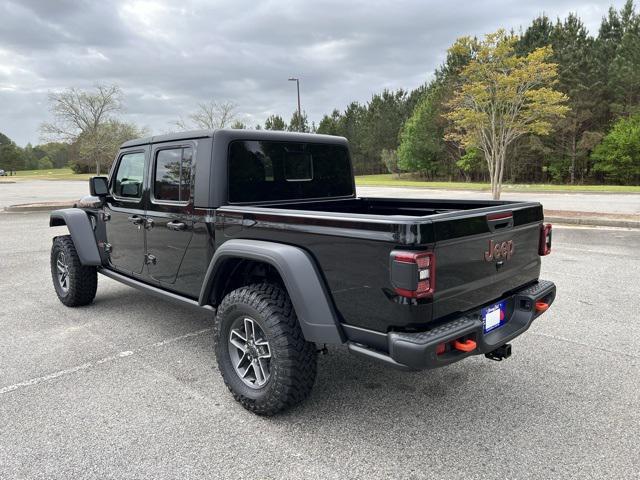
[577,78]
[624,71]
[275,122]
[385,115]
[537,35]
[299,123]
[330,125]
[421,139]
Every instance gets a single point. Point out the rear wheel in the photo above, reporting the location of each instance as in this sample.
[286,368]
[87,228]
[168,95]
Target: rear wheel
[74,283]
[261,352]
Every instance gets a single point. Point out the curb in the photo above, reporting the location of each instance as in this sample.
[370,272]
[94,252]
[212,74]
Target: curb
[593,222]
[37,207]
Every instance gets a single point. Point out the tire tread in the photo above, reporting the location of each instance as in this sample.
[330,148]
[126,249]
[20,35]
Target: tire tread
[83,280]
[297,357]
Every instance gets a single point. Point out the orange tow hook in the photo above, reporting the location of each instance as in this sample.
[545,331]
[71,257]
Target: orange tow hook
[466,346]
[541,307]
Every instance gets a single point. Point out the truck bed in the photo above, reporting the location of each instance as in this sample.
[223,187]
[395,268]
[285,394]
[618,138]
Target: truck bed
[387,207]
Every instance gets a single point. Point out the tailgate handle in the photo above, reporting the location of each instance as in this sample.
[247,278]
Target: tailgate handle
[500,221]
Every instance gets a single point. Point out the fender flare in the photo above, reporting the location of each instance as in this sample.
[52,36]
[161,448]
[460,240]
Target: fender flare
[305,286]
[81,232]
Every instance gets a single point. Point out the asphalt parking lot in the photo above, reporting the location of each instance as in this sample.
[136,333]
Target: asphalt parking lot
[128,388]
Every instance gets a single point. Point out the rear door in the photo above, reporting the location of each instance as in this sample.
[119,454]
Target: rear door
[169,210]
[483,256]
[125,209]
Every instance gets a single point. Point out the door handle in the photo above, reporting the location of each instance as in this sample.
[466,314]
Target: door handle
[136,219]
[176,226]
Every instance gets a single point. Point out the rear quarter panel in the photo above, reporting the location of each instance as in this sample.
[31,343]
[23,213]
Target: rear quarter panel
[353,257]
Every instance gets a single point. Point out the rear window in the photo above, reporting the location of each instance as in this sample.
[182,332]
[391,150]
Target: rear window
[266,171]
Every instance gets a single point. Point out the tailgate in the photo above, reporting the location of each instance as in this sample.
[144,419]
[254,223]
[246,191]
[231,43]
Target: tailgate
[484,256]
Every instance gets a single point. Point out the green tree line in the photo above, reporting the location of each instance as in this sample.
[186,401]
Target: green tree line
[38,157]
[596,141]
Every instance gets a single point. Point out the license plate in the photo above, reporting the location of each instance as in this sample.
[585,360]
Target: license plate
[494,316]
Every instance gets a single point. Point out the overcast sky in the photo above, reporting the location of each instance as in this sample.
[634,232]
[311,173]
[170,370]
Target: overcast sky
[169,55]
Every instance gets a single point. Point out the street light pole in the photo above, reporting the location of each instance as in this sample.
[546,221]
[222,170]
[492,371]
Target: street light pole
[297,80]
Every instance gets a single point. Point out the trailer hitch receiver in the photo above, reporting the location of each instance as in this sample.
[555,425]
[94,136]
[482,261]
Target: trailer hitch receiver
[499,353]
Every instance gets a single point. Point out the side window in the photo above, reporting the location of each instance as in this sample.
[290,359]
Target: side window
[128,180]
[172,175]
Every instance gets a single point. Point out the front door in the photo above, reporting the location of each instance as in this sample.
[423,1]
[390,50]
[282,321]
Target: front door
[125,207]
[169,210]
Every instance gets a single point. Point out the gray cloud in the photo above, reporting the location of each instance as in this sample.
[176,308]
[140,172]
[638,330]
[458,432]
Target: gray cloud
[169,55]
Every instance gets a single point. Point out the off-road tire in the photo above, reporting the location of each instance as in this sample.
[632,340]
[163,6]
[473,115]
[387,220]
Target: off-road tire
[82,280]
[293,360]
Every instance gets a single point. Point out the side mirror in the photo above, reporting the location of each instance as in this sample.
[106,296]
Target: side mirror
[99,186]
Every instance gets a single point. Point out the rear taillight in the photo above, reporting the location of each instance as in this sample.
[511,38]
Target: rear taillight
[413,274]
[544,247]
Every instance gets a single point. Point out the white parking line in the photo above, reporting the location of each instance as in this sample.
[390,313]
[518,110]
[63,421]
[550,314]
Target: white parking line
[87,365]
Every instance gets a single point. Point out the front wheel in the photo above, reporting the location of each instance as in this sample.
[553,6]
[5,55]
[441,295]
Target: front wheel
[262,355]
[74,283]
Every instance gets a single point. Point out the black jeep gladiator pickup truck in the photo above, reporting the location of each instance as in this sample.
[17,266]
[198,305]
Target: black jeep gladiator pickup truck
[265,229]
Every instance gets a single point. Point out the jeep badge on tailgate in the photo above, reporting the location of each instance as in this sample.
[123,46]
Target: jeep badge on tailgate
[499,251]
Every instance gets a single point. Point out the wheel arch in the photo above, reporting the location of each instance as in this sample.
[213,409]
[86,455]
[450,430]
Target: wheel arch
[81,232]
[298,273]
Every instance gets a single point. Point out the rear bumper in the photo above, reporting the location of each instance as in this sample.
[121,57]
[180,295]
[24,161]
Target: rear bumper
[418,350]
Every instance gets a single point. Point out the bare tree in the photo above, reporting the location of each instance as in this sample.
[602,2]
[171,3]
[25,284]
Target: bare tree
[76,111]
[101,146]
[209,115]
[80,115]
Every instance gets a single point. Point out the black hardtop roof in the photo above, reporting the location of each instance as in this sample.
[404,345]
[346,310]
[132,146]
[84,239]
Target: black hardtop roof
[236,134]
